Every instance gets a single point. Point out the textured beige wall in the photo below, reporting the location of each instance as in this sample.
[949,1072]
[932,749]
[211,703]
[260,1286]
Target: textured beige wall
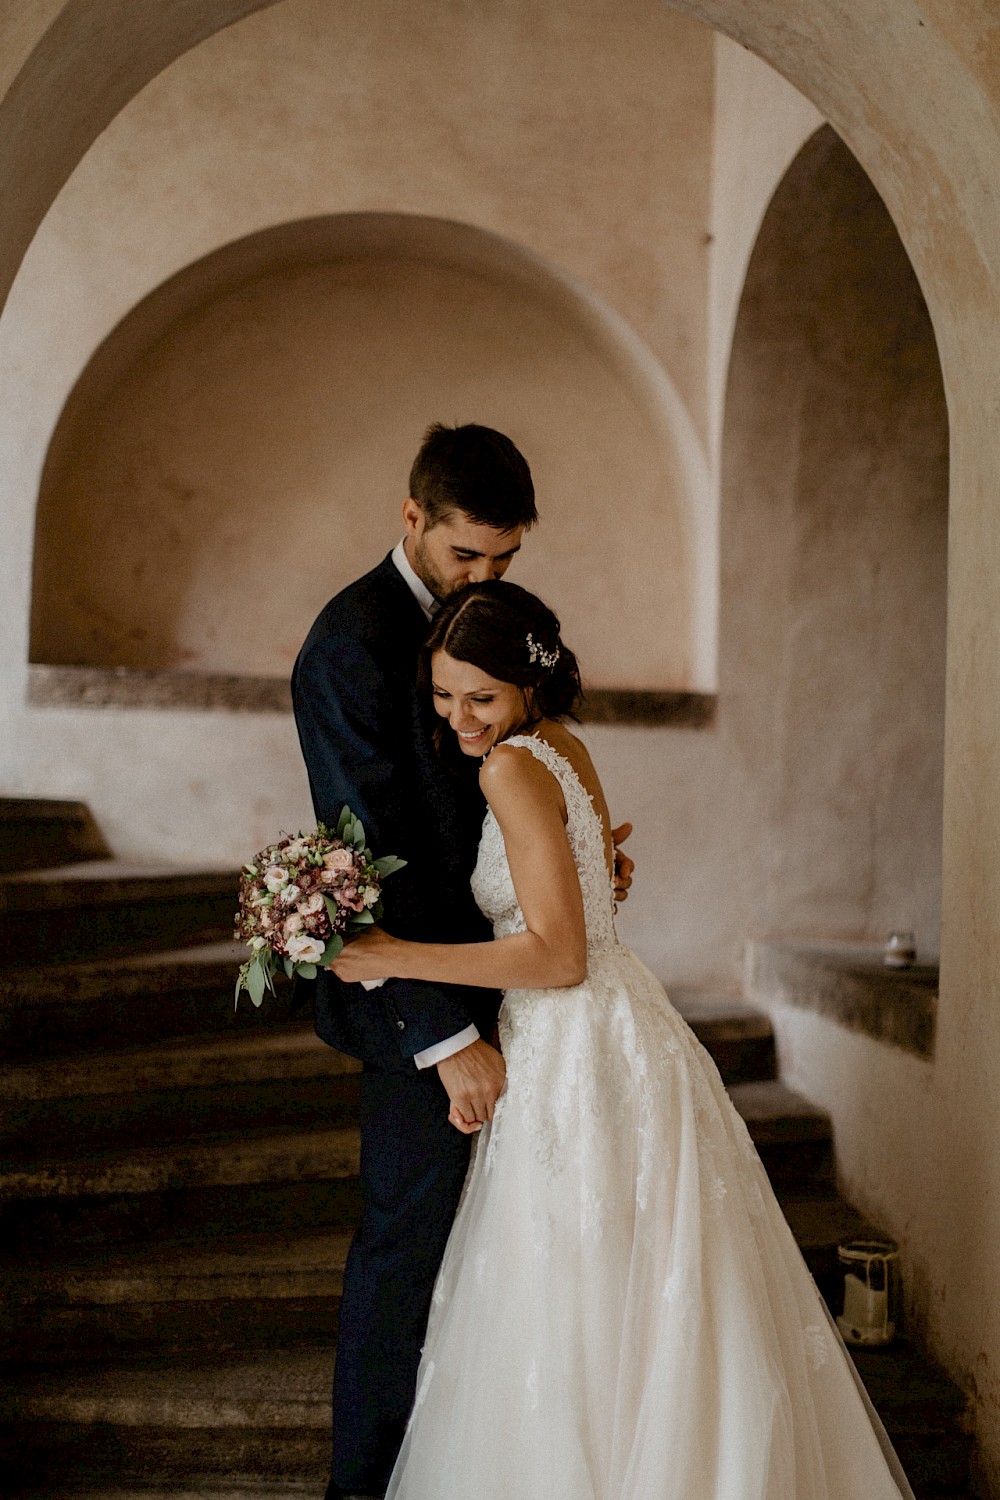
[814,807]
[201,503]
[562,128]
[760,123]
[834,564]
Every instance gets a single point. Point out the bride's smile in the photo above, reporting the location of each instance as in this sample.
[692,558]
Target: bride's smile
[480,710]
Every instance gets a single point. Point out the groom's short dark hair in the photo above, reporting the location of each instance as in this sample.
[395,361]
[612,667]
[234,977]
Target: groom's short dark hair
[476,470]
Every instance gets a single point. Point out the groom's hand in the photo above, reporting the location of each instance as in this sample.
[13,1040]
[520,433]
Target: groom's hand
[623,865]
[474,1079]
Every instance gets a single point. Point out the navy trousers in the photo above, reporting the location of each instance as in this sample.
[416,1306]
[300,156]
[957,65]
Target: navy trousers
[413,1167]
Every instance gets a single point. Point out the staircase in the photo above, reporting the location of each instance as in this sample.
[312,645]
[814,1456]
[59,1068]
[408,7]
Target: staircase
[179,1180]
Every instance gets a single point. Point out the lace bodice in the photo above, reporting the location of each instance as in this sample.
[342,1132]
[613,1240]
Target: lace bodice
[493,887]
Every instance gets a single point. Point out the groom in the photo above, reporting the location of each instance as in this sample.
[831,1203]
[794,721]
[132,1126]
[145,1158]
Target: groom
[365,730]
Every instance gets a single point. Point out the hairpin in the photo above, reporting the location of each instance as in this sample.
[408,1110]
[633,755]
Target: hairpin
[537,653]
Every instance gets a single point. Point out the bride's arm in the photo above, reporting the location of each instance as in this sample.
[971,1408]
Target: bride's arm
[552,952]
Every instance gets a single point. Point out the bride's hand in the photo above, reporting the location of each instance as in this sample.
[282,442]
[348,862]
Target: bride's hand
[371,955]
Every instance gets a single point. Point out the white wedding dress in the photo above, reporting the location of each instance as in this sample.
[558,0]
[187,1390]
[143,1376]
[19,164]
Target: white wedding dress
[622,1312]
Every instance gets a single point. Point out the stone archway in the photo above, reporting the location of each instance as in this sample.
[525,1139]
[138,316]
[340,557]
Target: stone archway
[834,563]
[67,69]
[242,435]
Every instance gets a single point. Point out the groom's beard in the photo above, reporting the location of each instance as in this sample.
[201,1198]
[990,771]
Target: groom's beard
[425,570]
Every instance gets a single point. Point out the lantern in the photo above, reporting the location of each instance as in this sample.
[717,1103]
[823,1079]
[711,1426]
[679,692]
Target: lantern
[872,1289]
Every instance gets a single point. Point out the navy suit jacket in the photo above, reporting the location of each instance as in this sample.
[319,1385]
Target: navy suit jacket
[365,733]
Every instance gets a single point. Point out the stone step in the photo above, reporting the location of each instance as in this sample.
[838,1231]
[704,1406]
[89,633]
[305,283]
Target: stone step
[228,1185]
[282,1052]
[280,1078]
[108,908]
[248,1159]
[36,832]
[49,1010]
[819,1225]
[234,1294]
[925,1414]
[305,1489]
[267,1418]
[739,1038]
[262,1419]
[55,1009]
[793,1138]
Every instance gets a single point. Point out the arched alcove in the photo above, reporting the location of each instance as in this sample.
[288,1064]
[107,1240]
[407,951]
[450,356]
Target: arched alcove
[834,563]
[243,438]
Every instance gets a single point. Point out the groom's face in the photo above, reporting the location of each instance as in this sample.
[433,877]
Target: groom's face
[456,551]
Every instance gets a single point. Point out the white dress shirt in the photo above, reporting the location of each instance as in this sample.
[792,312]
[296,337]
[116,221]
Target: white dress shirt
[451,1044]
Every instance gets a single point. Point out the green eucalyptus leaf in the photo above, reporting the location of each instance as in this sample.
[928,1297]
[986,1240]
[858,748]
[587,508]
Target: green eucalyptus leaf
[333,949]
[288,966]
[361,919]
[255,984]
[389,864]
[306,971]
[346,816]
[332,910]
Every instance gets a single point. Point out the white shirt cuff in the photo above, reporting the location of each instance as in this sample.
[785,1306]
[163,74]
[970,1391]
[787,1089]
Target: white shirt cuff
[451,1044]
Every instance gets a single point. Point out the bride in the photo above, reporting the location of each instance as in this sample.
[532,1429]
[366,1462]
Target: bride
[622,1312]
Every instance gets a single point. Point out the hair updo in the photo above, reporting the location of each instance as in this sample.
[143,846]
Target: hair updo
[514,637]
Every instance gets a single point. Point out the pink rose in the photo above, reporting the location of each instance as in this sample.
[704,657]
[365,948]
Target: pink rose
[339,859]
[350,896]
[291,925]
[311,905]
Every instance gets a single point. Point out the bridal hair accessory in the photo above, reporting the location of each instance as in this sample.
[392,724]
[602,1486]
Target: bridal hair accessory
[302,897]
[537,653]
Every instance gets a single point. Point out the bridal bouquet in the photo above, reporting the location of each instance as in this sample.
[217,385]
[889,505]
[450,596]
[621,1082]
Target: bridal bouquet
[301,897]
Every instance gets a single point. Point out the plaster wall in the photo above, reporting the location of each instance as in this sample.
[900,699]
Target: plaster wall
[343,119]
[760,123]
[235,467]
[835,509]
[544,128]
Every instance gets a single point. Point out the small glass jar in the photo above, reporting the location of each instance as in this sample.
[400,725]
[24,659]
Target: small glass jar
[872,1291]
[900,951]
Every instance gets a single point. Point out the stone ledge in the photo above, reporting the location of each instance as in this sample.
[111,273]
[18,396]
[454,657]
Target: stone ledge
[120,687]
[849,983]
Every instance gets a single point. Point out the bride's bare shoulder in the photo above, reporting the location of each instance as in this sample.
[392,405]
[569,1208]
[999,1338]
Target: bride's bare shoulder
[507,763]
[512,771]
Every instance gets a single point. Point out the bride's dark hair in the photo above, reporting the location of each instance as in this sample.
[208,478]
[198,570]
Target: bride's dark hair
[509,633]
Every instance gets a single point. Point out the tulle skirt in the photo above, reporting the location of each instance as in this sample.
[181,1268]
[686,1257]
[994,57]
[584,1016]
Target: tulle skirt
[622,1312]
